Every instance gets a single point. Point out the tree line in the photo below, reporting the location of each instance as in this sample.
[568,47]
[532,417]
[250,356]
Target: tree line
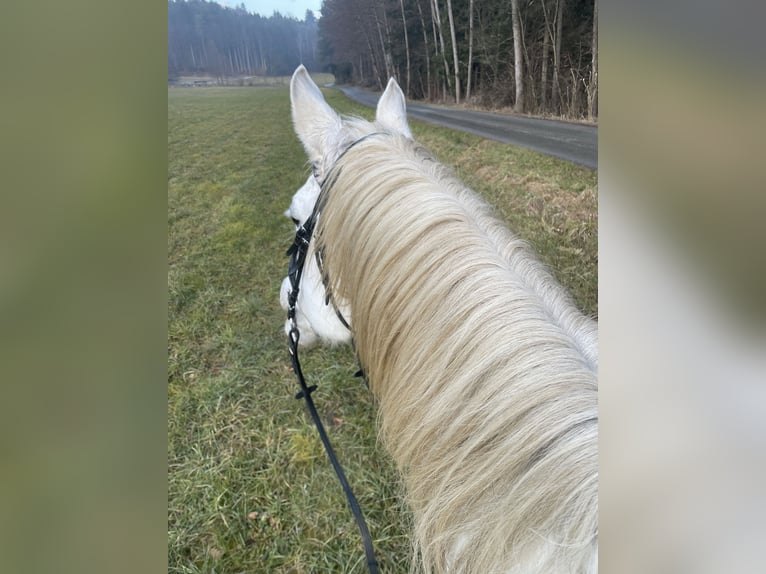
[540,56]
[207,38]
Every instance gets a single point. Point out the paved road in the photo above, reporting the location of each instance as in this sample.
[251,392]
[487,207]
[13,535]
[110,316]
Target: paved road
[573,142]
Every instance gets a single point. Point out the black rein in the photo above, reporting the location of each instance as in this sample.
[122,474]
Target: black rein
[298,253]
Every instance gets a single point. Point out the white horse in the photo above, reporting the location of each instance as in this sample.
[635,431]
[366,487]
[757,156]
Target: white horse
[485,372]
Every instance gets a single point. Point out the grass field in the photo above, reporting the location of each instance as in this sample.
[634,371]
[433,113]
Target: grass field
[249,486]
[250,81]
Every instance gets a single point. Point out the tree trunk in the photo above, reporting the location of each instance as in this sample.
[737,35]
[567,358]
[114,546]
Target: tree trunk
[454,51]
[593,85]
[530,91]
[427,91]
[389,56]
[373,59]
[436,45]
[437,18]
[470,51]
[556,96]
[518,58]
[406,46]
[544,65]
[384,48]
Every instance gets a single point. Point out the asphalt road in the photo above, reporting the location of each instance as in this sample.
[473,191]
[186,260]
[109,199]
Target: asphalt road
[577,143]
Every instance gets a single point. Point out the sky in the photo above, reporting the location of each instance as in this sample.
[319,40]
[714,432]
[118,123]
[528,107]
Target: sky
[295,8]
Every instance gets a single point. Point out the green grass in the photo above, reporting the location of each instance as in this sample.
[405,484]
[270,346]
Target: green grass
[249,486]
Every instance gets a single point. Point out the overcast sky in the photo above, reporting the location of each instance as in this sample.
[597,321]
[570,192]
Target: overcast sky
[295,8]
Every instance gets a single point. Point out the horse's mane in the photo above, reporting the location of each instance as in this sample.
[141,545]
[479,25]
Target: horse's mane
[484,370]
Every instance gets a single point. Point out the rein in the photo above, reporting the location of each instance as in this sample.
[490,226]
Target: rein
[298,253]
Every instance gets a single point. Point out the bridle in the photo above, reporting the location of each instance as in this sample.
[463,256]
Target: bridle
[298,253]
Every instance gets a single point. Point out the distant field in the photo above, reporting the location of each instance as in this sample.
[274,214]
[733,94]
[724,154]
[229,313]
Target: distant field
[249,486]
[248,81]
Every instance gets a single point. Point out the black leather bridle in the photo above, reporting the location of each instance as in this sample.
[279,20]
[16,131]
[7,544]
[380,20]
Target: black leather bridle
[298,253]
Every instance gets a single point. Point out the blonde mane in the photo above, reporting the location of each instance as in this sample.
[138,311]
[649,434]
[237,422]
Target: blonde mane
[485,372]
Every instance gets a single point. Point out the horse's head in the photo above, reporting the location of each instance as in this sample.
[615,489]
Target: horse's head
[325,136]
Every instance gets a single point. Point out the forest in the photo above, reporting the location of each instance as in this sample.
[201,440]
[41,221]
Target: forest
[536,56]
[205,38]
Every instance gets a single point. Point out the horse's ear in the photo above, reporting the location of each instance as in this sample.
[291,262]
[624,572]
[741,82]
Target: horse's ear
[392,110]
[315,122]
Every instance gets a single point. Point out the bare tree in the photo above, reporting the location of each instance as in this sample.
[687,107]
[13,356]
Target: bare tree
[593,84]
[427,91]
[387,59]
[559,22]
[542,55]
[373,59]
[544,64]
[470,51]
[518,58]
[438,21]
[406,45]
[454,51]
